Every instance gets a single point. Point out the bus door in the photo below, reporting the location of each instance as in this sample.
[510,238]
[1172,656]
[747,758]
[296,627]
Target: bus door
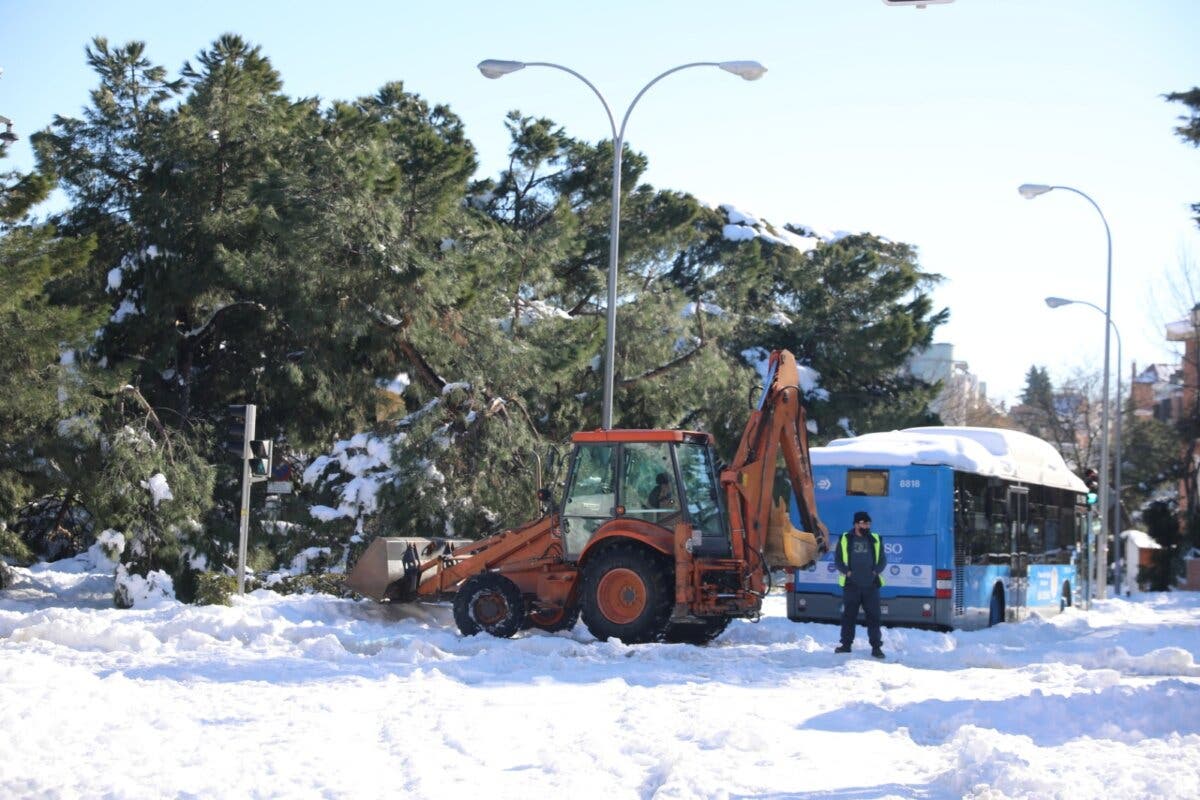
[1018,550]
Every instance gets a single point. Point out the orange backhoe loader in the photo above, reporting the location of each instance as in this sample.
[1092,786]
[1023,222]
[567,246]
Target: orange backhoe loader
[652,540]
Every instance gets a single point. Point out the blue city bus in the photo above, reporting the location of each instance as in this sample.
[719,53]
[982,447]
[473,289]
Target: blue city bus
[980,526]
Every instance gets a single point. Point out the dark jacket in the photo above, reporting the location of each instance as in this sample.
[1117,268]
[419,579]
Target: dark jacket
[864,562]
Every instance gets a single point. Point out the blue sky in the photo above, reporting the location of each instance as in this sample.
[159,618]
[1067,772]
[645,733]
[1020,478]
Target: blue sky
[915,125]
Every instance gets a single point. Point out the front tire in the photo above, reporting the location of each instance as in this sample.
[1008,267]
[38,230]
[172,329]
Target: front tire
[627,594]
[489,602]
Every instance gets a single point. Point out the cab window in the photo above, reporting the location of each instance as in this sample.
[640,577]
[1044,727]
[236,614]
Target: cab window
[591,497]
[648,488]
[700,487]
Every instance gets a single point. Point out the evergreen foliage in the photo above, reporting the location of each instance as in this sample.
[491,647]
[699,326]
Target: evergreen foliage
[1151,458]
[233,245]
[1189,129]
[1038,391]
[41,382]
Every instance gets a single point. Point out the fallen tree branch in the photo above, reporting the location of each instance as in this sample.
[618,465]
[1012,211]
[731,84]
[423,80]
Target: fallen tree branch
[152,417]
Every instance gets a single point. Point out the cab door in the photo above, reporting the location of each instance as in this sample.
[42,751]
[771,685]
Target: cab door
[591,497]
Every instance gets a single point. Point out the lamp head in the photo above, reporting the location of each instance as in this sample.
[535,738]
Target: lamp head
[748,70]
[496,68]
[1032,190]
[1055,302]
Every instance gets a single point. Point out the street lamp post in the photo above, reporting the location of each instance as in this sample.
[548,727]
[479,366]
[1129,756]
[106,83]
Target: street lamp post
[494,68]
[1056,302]
[1030,191]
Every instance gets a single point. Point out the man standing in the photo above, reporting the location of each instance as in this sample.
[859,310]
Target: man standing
[861,560]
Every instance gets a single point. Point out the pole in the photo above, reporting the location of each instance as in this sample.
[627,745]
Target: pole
[1102,548]
[494,69]
[244,514]
[1055,302]
[1117,465]
[1106,524]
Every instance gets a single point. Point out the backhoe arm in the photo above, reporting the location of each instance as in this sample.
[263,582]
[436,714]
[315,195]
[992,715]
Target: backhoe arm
[777,427]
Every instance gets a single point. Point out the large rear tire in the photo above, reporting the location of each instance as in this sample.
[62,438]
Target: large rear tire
[489,602]
[697,632]
[627,594]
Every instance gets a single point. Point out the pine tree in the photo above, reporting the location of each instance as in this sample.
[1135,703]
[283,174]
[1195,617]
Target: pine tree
[1038,390]
[1189,130]
[853,310]
[43,396]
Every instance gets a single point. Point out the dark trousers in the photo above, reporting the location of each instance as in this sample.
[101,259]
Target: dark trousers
[854,596]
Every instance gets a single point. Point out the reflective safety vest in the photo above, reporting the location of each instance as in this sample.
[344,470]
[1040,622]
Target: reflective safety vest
[846,555]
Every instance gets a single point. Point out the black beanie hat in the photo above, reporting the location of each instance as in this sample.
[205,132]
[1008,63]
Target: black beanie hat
[861,516]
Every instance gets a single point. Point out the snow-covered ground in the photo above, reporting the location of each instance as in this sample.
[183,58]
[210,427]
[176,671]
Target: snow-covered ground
[313,696]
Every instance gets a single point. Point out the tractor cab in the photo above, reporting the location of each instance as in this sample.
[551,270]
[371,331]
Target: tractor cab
[659,477]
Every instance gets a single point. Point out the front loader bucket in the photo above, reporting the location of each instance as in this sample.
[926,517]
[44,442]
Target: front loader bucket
[390,568]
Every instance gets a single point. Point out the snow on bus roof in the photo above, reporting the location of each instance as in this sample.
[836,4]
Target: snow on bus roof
[984,451]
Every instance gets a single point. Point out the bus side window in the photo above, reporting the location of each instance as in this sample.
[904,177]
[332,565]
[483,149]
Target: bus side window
[998,532]
[1051,540]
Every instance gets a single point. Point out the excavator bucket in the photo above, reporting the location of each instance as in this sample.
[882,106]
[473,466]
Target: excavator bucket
[786,546]
[391,568]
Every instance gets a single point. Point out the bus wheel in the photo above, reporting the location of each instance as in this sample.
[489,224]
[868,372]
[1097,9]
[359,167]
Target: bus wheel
[996,610]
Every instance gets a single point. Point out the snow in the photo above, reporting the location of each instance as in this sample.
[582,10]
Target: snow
[397,385]
[159,489]
[1141,539]
[983,451]
[532,311]
[313,696]
[810,379]
[128,308]
[689,310]
[743,227]
[356,469]
[1180,330]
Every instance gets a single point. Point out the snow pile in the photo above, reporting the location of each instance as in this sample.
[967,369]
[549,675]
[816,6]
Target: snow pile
[743,227]
[153,589]
[1080,705]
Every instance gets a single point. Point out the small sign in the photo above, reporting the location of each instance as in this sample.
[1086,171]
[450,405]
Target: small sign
[279,487]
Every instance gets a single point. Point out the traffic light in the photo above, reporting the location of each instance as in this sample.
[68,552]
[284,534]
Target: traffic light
[260,460]
[1091,479]
[239,430]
